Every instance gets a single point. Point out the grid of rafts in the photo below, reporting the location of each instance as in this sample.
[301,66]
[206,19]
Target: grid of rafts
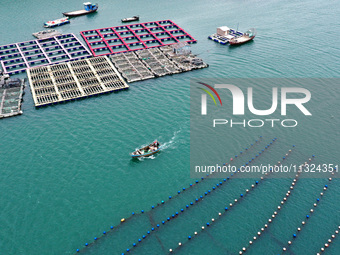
[75,79]
[186,62]
[154,62]
[16,57]
[131,68]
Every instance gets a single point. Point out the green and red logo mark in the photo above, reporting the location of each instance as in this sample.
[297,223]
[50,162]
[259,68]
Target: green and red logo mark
[204,97]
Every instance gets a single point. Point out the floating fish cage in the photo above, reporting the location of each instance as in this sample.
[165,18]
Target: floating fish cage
[125,38]
[130,67]
[11,96]
[224,34]
[154,62]
[75,79]
[17,57]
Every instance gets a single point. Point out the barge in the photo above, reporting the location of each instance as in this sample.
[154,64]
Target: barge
[88,8]
[57,22]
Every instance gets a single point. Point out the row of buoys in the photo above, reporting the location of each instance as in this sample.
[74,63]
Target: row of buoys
[181,191]
[218,184]
[329,241]
[308,215]
[201,198]
[270,220]
[226,209]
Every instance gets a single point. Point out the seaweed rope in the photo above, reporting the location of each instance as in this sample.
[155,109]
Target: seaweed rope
[197,200]
[303,223]
[226,209]
[289,192]
[190,186]
[329,241]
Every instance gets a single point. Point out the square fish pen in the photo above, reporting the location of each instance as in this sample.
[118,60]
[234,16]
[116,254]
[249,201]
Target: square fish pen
[17,57]
[75,79]
[125,38]
[157,62]
[131,68]
[186,62]
[11,98]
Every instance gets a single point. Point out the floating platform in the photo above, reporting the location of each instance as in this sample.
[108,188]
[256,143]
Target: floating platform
[225,39]
[130,67]
[11,93]
[125,38]
[17,57]
[46,34]
[154,62]
[75,79]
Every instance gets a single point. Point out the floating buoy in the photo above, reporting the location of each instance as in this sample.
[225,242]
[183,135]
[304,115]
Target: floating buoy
[202,227]
[294,235]
[104,232]
[77,250]
[189,237]
[162,202]
[169,197]
[152,207]
[86,244]
[134,244]
[170,250]
[212,219]
[219,214]
[142,211]
[195,233]
[95,238]
[208,224]
[179,244]
[133,213]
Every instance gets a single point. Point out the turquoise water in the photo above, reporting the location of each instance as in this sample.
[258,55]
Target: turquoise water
[66,174]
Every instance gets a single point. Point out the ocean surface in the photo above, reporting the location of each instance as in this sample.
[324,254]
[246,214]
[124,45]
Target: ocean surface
[66,174]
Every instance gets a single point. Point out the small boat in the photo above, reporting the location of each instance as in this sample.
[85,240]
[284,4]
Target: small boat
[246,37]
[46,34]
[134,18]
[57,22]
[88,8]
[146,151]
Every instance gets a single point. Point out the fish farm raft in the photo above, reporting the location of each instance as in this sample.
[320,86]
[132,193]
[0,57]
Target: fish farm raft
[11,92]
[17,57]
[156,62]
[75,79]
[106,41]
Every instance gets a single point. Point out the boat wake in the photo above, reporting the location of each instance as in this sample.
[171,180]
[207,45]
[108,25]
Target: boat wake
[172,141]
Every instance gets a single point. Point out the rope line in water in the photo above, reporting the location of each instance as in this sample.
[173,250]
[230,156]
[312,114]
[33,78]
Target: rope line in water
[244,249]
[329,241]
[112,228]
[303,223]
[226,209]
[189,205]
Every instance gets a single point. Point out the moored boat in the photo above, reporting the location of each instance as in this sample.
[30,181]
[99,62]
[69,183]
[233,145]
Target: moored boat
[46,34]
[57,22]
[146,151]
[134,18]
[88,8]
[246,37]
